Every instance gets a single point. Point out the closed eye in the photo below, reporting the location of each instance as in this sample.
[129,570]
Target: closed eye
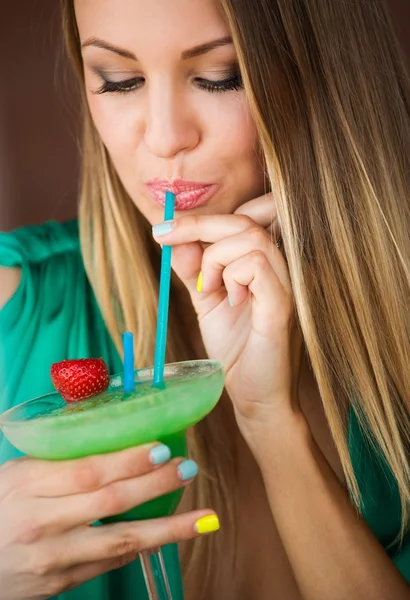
[128,85]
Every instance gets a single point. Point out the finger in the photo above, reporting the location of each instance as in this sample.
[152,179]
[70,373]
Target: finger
[8,474]
[65,478]
[75,576]
[218,256]
[15,462]
[261,210]
[186,262]
[122,539]
[203,228]
[117,497]
[274,232]
[271,303]
[123,542]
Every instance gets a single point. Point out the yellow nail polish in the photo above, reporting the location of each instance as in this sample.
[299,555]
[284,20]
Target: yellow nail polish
[199,283]
[207,524]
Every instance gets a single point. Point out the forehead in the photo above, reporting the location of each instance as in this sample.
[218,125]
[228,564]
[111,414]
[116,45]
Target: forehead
[151,24]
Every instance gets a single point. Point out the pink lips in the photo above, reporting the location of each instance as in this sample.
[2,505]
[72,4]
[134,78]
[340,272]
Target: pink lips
[188,194]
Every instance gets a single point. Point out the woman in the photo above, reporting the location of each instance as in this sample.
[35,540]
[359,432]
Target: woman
[287,122]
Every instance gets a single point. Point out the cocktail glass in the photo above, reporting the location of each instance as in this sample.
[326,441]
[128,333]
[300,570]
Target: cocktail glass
[51,429]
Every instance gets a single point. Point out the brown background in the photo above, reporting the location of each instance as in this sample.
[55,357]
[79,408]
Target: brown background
[38,137]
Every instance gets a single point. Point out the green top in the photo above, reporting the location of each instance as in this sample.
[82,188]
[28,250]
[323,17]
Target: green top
[54,315]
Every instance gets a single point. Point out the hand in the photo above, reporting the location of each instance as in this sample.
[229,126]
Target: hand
[257,339]
[47,544]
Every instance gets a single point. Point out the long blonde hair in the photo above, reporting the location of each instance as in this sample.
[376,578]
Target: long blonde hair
[329,93]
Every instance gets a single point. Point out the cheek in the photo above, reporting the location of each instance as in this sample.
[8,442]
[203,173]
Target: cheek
[239,149]
[236,130]
[115,127]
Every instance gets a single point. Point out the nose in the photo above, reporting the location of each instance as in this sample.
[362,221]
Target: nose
[171,127]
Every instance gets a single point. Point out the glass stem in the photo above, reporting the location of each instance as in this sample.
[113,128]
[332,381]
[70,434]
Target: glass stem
[155,575]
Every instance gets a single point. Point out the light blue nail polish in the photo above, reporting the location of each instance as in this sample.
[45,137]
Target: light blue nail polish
[163,228]
[159,454]
[230,301]
[187,470]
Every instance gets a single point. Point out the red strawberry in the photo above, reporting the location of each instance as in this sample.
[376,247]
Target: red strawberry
[81,378]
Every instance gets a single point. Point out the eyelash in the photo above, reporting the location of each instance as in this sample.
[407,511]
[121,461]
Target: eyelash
[233,83]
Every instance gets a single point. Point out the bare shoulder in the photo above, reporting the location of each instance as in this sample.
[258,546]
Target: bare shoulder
[9,282]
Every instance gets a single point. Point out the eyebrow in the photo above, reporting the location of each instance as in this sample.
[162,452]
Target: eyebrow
[204,48]
[187,54]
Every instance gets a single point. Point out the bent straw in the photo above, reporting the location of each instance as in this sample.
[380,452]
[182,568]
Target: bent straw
[163,301]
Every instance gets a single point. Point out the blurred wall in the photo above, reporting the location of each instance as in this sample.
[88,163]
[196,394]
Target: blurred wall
[401,13]
[38,131]
[38,147]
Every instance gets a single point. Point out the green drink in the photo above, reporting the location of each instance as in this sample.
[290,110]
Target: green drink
[49,428]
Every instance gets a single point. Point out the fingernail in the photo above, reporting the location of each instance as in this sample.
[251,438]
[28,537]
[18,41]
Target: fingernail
[187,470]
[163,228]
[159,454]
[230,301]
[199,283]
[207,524]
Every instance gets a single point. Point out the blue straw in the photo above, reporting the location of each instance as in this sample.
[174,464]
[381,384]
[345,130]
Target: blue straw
[163,302]
[128,344]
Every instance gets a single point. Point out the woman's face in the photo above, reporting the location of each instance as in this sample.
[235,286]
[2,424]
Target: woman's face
[166,97]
